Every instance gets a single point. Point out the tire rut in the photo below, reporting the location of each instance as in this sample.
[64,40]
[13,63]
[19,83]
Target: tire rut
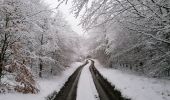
[69,90]
[105,90]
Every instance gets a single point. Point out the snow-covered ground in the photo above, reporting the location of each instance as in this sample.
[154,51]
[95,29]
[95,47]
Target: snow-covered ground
[136,87]
[46,86]
[86,88]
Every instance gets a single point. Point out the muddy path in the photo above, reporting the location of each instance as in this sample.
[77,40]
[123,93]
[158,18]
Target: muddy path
[69,90]
[105,90]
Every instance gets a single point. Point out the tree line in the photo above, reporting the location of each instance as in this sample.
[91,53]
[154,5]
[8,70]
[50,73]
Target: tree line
[128,34]
[35,42]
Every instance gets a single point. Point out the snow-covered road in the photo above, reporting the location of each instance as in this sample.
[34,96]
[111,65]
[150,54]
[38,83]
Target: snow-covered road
[130,85]
[86,88]
[87,84]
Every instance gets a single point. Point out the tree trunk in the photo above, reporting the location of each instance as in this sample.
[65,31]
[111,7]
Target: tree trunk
[2,54]
[40,68]
[41,62]
[0,71]
[51,71]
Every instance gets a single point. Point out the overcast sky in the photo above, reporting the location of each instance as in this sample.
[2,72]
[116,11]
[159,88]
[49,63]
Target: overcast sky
[69,17]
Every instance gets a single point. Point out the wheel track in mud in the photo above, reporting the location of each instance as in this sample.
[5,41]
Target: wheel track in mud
[105,90]
[69,90]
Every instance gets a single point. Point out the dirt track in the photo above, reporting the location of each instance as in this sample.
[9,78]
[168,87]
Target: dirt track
[105,90]
[69,90]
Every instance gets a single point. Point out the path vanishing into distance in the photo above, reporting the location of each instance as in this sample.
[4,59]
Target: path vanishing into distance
[86,83]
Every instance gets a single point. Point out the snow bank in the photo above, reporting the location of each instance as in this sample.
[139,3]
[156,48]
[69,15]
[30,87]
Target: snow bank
[136,87]
[46,86]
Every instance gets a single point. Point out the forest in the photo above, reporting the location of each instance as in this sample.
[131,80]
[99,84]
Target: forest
[37,42]
[130,34]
